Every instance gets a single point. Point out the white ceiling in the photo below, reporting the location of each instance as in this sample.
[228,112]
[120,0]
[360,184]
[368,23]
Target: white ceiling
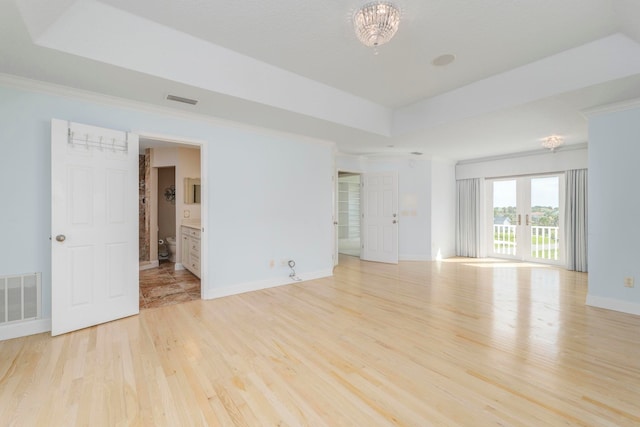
[523,69]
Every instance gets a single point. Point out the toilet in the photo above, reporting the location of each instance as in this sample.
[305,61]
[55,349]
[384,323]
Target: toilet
[163,250]
[171,243]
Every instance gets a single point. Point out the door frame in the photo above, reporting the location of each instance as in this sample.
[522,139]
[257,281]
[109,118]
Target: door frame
[337,210]
[204,199]
[336,203]
[523,209]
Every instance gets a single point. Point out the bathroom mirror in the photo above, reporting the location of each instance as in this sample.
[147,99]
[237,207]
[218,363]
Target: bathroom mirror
[192,191]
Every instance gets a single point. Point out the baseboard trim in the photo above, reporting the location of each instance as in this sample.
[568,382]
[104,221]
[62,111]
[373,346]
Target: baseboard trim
[22,329]
[409,257]
[149,265]
[241,288]
[613,304]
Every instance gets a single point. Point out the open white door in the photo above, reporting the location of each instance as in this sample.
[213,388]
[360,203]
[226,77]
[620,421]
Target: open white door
[94,226]
[380,217]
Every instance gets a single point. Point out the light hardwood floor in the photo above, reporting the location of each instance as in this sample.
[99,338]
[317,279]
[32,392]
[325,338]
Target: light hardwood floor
[462,342]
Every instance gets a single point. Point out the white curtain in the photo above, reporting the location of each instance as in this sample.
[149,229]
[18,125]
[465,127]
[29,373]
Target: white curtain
[468,217]
[576,219]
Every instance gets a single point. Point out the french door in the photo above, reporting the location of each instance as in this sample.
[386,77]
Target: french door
[526,218]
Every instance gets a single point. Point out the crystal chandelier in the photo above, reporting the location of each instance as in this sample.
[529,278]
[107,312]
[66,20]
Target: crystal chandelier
[552,142]
[376,23]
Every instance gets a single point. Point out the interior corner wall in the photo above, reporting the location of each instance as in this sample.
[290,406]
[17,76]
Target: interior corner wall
[614,203]
[443,191]
[269,194]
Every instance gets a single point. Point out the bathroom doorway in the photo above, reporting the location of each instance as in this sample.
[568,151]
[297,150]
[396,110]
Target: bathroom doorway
[171,236]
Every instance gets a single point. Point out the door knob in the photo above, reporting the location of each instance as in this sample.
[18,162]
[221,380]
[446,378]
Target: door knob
[335,222]
[395,222]
[61,237]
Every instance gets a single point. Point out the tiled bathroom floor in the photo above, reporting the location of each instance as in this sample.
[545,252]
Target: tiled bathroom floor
[164,286]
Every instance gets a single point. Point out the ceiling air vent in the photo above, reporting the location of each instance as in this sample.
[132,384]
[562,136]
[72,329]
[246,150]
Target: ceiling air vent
[181,99]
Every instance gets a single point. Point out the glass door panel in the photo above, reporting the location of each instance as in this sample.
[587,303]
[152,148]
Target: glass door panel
[504,218]
[543,218]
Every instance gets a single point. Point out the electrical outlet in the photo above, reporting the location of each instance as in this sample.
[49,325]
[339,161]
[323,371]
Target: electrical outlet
[628,282]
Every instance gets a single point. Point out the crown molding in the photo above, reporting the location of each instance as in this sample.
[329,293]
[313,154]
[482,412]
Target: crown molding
[615,107]
[538,152]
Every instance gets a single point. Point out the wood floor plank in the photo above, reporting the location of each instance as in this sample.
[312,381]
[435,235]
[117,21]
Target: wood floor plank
[460,342]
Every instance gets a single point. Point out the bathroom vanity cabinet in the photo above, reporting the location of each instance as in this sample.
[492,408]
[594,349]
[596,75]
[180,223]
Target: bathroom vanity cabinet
[191,249]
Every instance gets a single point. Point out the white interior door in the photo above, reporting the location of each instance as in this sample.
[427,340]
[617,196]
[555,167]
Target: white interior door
[380,217]
[94,225]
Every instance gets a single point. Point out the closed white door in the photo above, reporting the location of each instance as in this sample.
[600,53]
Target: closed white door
[94,225]
[380,217]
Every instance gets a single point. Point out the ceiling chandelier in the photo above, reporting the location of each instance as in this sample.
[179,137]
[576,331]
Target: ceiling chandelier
[376,23]
[552,142]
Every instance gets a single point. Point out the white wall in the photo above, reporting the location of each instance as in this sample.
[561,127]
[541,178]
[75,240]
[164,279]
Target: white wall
[350,163]
[269,194]
[164,157]
[614,204]
[443,204]
[188,167]
[271,200]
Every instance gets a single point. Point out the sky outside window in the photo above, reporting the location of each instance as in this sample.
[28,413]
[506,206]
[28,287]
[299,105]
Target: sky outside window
[544,192]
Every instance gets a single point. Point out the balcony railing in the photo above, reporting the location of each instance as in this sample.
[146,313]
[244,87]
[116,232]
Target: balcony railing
[544,241]
[504,239]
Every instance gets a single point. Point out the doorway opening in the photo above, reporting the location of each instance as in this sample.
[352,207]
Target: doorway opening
[526,219]
[349,214]
[170,222]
